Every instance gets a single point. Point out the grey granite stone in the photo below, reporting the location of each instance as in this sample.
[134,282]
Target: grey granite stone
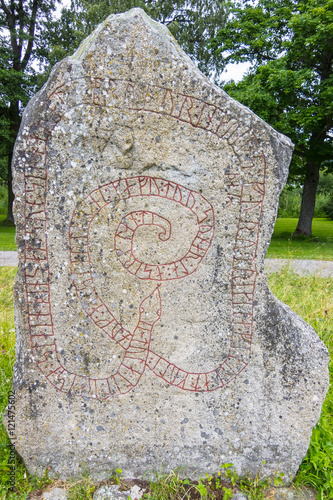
[54,494]
[114,492]
[110,493]
[291,493]
[239,496]
[147,336]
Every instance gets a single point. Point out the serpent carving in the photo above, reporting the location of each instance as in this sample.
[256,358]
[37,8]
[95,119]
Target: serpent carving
[136,345]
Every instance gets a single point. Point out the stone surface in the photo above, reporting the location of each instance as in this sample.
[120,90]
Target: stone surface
[54,494]
[291,493]
[147,336]
[239,496]
[114,492]
[110,493]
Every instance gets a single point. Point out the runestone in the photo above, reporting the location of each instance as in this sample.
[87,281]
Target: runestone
[147,336]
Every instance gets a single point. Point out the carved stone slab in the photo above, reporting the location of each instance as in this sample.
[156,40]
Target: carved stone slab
[147,336]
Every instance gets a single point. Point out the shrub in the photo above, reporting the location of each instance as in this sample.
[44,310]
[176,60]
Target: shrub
[328,208]
[3,198]
[290,202]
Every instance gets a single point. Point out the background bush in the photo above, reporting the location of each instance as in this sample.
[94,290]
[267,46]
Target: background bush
[328,208]
[291,197]
[3,199]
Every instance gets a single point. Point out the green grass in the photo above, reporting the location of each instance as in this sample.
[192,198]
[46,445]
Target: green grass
[311,297]
[319,247]
[7,236]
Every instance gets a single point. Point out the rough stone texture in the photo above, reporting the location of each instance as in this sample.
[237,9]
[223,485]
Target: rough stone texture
[147,336]
[292,493]
[114,492]
[239,496]
[54,494]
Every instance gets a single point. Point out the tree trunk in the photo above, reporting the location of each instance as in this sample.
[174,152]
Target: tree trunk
[15,119]
[304,225]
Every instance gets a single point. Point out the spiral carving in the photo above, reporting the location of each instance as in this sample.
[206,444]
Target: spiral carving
[136,345]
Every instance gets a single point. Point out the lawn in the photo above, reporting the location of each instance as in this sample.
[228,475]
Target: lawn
[311,297]
[7,236]
[319,247]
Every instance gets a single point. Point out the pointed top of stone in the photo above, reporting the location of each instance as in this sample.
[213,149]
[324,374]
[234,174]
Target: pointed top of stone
[134,18]
[148,50]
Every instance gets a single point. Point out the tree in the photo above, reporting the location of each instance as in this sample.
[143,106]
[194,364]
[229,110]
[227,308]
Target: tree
[22,26]
[30,37]
[192,22]
[290,44]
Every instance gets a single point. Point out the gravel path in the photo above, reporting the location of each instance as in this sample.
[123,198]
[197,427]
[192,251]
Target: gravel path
[322,268]
[8,259]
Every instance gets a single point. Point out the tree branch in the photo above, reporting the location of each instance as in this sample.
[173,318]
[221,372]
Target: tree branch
[11,25]
[300,152]
[21,19]
[180,17]
[323,133]
[32,27]
[5,9]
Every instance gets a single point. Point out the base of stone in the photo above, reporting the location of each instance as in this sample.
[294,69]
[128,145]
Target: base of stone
[136,488]
[290,493]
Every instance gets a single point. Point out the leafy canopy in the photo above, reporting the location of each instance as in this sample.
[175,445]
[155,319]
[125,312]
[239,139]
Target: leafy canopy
[22,47]
[290,85]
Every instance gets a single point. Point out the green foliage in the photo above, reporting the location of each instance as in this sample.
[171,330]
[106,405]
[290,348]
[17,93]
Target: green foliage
[290,203]
[3,196]
[290,85]
[325,185]
[169,487]
[7,235]
[221,486]
[213,486]
[253,487]
[329,208]
[317,467]
[116,476]
[82,488]
[312,298]
[202,489]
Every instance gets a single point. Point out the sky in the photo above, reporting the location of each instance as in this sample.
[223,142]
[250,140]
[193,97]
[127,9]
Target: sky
[235,71]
